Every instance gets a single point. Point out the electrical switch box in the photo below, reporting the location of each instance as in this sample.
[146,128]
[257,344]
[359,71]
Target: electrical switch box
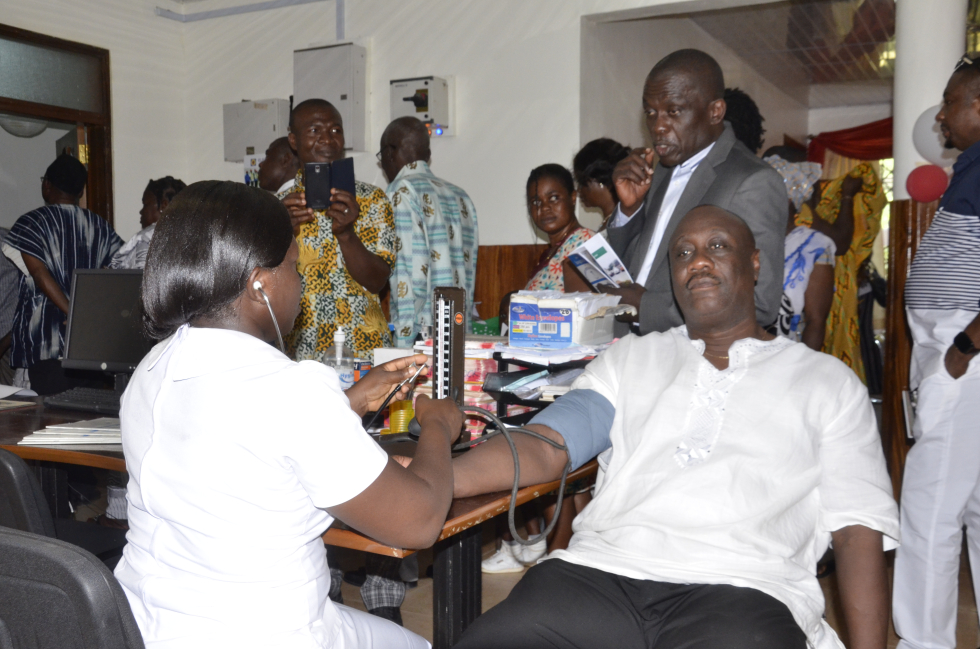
[251,126]
[428,99]
[336,73]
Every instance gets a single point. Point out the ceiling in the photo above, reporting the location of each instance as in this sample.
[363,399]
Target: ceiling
[821,52]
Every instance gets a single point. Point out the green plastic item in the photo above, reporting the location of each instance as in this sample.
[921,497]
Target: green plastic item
[489,327]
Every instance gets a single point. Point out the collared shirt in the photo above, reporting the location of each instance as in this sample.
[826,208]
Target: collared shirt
[234,452]
[436,241]
[734,476]
[287,188]
[331,296]
[133,254]
[679,177]
[65,238]
[9,288]
[947,263]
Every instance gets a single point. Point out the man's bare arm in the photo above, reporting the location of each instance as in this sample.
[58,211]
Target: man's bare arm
[863,581]
[45,281]
[490,466]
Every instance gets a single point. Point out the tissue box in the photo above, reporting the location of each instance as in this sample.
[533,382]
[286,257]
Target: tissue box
[555,322]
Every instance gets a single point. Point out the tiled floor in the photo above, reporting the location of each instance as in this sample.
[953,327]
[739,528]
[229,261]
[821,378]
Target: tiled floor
[417,609]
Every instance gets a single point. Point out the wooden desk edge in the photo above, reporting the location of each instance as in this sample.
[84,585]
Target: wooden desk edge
[355,541]
[79,458]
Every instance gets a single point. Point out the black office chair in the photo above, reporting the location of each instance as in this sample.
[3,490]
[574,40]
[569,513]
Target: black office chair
[54,595]
[23,507]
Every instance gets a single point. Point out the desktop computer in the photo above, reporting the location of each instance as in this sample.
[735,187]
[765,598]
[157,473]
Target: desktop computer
[104,334]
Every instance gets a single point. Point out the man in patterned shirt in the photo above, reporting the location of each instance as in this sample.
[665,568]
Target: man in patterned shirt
[346,252]
[436,231]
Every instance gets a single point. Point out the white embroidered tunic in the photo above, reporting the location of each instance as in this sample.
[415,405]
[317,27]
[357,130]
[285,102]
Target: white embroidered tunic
[733,476]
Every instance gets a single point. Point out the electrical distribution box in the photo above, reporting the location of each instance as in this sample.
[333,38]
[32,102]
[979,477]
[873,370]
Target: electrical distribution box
[426,98]
[335,73]
[251,126]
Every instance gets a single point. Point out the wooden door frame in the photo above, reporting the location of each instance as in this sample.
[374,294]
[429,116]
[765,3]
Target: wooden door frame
[98,124]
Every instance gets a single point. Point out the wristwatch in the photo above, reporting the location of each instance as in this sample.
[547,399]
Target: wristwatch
[963,343]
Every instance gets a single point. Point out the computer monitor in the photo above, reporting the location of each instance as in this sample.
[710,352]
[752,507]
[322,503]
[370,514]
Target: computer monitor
[104,329]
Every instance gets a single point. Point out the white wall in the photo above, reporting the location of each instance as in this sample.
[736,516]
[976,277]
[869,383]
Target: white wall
[515,71]
[841,117]
[147,80]
[22,163]
[516,66]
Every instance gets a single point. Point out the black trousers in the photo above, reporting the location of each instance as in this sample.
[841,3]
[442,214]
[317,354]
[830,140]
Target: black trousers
[558,604]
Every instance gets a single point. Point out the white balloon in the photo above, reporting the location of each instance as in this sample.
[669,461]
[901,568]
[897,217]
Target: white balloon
[929,141]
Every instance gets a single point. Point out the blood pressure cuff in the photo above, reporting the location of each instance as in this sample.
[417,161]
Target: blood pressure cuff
[584,419]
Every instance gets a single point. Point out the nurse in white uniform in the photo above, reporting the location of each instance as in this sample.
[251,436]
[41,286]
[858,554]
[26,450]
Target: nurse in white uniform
[239,458]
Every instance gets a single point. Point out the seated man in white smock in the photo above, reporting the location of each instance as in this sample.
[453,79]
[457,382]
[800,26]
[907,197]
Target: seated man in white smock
[730,459]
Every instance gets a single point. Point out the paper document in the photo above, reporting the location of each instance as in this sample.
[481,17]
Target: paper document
[102,424]
[104,430]
[598,263]
[10,390]
[11,405]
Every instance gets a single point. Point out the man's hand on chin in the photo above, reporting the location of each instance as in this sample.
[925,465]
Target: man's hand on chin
[629,294]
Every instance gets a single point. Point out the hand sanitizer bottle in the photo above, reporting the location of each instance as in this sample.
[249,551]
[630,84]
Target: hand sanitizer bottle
[340,359]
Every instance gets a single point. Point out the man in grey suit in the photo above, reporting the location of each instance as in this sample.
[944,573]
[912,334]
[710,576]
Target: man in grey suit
[700,163]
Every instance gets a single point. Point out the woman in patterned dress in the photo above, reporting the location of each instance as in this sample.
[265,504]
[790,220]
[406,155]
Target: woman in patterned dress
[551,199]
[551,203]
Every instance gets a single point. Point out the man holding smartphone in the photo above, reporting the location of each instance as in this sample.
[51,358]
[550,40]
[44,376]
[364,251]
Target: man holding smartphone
[347,250]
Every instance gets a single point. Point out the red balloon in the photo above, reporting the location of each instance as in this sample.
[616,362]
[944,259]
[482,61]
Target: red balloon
[926,183]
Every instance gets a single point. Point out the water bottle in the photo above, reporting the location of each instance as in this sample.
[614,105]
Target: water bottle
[340,359]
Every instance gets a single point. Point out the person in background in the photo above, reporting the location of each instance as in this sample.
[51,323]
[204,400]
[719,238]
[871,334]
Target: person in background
[346,252]
[744,116]
[808,279]
[47,245]
[700,163]
[230,491]
[9,285]
[593,168]
[551,204]
[437,236]
[848,210]
[941,485]
[277,171]
[156,197]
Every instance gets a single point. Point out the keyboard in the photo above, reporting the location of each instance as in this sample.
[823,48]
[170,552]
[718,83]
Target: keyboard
[87,399]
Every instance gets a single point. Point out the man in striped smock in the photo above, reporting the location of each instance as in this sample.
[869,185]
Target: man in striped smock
[47,245]
[435,228]
[941,485]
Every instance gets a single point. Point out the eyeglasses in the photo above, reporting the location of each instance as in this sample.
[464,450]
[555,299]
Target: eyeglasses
[383,149]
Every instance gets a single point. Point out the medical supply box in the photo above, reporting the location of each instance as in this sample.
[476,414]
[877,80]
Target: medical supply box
[559,321]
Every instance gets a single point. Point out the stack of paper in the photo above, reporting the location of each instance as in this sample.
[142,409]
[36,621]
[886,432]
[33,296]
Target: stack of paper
[104,430]
[541,356]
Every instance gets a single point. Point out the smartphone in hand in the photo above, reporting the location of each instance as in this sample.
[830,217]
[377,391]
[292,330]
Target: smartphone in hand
[342,175]
[316,180]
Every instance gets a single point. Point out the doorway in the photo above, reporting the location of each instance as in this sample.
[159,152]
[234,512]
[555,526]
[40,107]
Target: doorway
[63,86]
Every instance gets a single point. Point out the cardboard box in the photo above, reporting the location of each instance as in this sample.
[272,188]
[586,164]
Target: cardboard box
[554,323]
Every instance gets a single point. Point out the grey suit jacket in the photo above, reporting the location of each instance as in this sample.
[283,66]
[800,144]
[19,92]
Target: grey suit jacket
[733,178]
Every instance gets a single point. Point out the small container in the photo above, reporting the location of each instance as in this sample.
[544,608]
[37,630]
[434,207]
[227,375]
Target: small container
[340,359]
[399,414]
